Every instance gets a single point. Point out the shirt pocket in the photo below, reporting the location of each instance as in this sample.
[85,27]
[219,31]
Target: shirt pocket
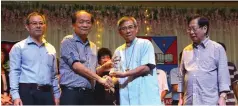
[29,57]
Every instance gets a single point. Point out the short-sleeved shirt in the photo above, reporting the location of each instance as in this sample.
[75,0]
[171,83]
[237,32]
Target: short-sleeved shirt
[144,89]
[162,79]
[174,79]
[74,50]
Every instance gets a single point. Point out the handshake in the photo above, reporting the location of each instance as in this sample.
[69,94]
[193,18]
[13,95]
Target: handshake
[110,83]
[110,80]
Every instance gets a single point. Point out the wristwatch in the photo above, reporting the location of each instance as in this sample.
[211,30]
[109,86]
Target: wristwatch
[223,95]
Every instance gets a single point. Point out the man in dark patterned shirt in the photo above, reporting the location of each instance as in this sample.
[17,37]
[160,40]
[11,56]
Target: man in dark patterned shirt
[234,82]
[78,63]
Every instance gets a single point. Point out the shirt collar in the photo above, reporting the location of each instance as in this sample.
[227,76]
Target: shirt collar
[77,39]
[29,40]
[133,42]
[203,43]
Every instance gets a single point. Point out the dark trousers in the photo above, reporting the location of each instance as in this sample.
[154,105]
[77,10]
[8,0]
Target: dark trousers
[76,96]
[31,94]
[102,97]
[175,102]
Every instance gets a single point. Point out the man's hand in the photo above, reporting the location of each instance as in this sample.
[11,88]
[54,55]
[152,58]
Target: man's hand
[18,102]
[111,82]
[57,101]
[106,81]
[222,101]
[117,74]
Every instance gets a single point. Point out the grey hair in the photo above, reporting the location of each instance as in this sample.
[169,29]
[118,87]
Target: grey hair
[124,19]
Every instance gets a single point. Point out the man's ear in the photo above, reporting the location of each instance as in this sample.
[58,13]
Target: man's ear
[73,26]
[205,28]
[136,29]
[119,32]
[27,27]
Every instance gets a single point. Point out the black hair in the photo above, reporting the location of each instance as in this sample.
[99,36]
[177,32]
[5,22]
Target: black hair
[202,21]
[180,56]
[103,52]
[74,16]
[6,56]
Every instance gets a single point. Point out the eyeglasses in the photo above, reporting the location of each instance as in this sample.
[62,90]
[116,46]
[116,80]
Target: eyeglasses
[130,27]
[193,29]
[37,23]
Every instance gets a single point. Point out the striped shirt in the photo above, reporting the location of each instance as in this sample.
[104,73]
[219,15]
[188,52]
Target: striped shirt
[203,73]
[72,50]
[234,78]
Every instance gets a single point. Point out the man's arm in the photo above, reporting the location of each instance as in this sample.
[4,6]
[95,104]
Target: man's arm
[181,100]
[174,87]
[163,94]
[70,56]
[181,72]
[55,81]
[147,61]
[165,87]
[82,70]
[15,71]
[135,72]
[174,79]
[235,89]
[223,75]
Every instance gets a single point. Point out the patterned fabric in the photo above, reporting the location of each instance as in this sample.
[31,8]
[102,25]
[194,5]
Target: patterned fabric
[234,78]
[74,50]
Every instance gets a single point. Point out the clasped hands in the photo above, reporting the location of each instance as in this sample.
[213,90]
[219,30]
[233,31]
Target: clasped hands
[114,73]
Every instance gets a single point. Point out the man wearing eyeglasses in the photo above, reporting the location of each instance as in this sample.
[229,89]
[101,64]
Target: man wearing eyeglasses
[33,67]
[137,75]
[204,77]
